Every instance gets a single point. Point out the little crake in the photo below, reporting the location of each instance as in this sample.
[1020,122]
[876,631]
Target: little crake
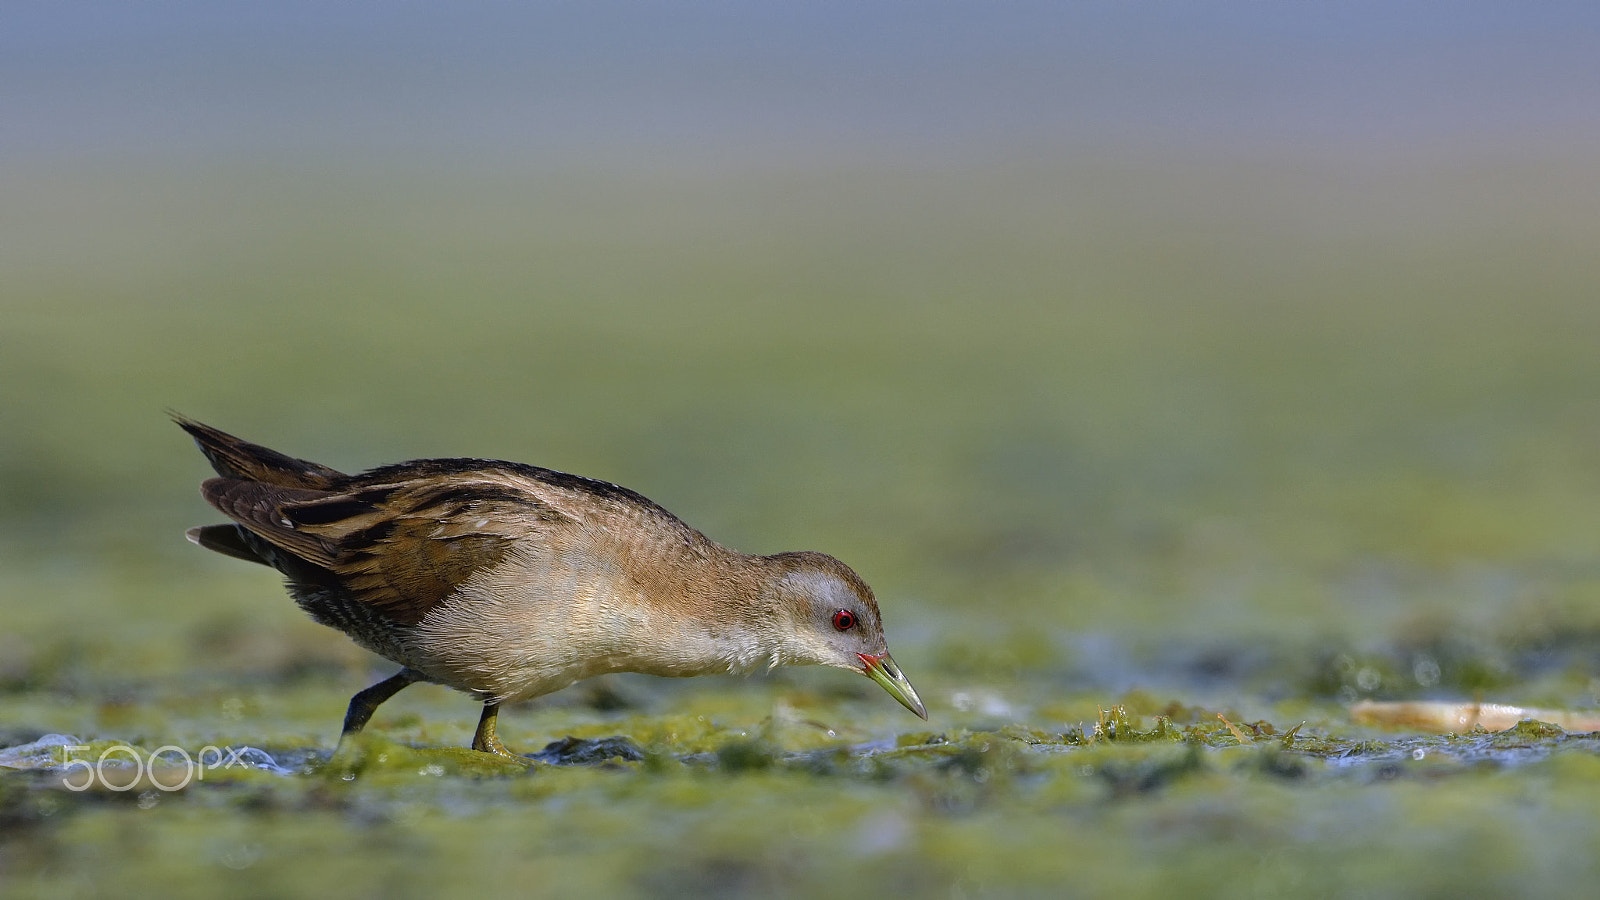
[509,581]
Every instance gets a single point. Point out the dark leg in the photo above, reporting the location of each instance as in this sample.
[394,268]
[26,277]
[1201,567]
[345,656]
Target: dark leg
[486,740]
[364,704]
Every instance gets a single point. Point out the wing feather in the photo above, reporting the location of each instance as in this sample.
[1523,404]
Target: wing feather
[400,548]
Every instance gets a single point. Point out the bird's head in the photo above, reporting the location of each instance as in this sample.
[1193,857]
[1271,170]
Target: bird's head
[830,618]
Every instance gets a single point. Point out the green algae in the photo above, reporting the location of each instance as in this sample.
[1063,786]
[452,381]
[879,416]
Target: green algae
[997,812]
[370,756]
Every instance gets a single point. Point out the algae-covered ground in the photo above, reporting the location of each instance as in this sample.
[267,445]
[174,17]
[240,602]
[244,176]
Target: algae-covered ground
[1158,460]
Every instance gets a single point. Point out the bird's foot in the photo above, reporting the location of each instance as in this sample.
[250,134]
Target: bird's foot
[494,746]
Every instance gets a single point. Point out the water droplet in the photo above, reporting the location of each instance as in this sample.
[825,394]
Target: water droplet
[1425,670]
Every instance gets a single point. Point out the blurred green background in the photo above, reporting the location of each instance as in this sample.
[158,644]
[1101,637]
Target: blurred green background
[1098,339]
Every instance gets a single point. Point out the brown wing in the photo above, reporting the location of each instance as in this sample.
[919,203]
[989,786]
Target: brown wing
[400,547]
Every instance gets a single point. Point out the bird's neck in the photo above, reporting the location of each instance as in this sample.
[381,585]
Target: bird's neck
[730,617]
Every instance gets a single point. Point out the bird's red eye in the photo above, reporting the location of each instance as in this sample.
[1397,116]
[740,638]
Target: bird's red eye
[844,620]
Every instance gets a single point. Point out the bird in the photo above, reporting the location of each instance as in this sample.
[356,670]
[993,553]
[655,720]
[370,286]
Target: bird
[509,581]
